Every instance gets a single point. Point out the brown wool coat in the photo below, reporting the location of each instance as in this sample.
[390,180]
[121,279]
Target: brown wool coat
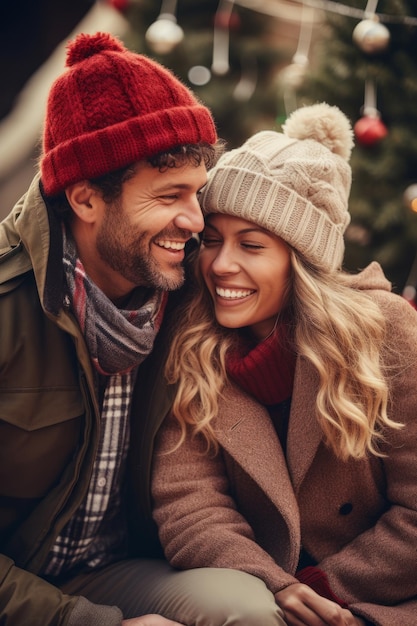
[249,508]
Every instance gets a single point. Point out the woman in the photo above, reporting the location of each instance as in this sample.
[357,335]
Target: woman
[291,449]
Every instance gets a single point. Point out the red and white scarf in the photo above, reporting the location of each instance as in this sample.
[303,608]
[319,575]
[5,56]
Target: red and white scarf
[118,340]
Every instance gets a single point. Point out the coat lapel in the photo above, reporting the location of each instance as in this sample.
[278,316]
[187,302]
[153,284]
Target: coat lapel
[247,434]
[304,433]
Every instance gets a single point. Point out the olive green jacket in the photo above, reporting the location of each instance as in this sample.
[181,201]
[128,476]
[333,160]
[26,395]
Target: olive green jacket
[49,423]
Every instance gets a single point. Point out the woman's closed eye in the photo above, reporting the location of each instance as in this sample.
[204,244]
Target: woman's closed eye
[252,246]
[210,241]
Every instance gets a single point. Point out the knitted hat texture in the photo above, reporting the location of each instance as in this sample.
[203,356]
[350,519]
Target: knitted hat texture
[295,184]
[112,107]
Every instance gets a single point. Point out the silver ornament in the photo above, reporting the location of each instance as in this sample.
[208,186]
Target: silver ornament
[371,36]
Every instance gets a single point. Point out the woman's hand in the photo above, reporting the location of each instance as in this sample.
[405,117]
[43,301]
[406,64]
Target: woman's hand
[304,607]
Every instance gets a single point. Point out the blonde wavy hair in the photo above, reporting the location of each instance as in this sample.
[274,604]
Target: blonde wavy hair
[339,329]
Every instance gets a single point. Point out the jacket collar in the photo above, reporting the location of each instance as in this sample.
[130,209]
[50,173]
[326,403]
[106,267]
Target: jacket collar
[304,433]
[31,239]
[248,435]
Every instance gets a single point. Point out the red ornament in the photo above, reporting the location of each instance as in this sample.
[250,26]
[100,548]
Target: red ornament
[119,5]
[369,130]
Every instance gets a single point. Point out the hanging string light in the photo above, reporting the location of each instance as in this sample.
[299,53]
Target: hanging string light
[165,34]
[201,75]
[220,64]
[275,9]
[246,86]
[370,35]
[293,75]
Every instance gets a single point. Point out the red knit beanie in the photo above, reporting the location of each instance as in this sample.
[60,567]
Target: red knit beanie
[112,107]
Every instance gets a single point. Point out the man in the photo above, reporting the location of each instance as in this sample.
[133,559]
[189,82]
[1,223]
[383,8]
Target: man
[88,258]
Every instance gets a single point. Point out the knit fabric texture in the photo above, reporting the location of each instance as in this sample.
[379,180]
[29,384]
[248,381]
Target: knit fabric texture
[265,370]
[295,184]
[112,107]
[317,580]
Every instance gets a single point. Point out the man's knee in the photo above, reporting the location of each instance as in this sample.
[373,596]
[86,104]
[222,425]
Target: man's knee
[196,597]
[222,597]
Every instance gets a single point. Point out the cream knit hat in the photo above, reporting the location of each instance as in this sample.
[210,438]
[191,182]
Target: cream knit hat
[295,184]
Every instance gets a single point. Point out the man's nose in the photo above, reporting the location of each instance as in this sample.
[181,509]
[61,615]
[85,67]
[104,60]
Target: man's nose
[191,217]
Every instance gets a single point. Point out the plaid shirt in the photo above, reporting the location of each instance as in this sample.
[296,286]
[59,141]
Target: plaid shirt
[96,534]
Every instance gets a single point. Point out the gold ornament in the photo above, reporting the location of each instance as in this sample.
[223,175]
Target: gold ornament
[410,197]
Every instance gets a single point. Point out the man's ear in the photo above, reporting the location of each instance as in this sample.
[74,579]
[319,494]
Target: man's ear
[83,199]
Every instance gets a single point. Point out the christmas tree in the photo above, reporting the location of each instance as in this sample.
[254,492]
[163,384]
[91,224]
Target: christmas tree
[367,65]
[244,65]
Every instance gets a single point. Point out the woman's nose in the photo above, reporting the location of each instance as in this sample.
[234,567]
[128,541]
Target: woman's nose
[224,261]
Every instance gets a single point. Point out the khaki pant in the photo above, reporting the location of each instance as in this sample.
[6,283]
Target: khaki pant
[198,597]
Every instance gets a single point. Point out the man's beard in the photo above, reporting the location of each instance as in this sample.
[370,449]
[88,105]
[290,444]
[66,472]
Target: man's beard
[131,258]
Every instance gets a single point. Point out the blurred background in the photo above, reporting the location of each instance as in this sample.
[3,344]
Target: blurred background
[252,62]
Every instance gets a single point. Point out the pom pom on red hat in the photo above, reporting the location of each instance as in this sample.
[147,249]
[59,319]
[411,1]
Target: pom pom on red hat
[112,107]
[86,46]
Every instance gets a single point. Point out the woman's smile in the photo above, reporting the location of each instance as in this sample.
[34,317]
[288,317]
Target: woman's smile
[246,270]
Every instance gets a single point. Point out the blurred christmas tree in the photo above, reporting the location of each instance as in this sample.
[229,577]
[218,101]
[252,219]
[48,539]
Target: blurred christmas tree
[227,53]
[243,62]
[368,67]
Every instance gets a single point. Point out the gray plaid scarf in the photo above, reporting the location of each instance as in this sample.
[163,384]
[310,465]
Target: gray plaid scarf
[118,340]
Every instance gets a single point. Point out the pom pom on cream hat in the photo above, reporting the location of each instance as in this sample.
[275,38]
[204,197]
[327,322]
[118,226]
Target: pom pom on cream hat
[295,184]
